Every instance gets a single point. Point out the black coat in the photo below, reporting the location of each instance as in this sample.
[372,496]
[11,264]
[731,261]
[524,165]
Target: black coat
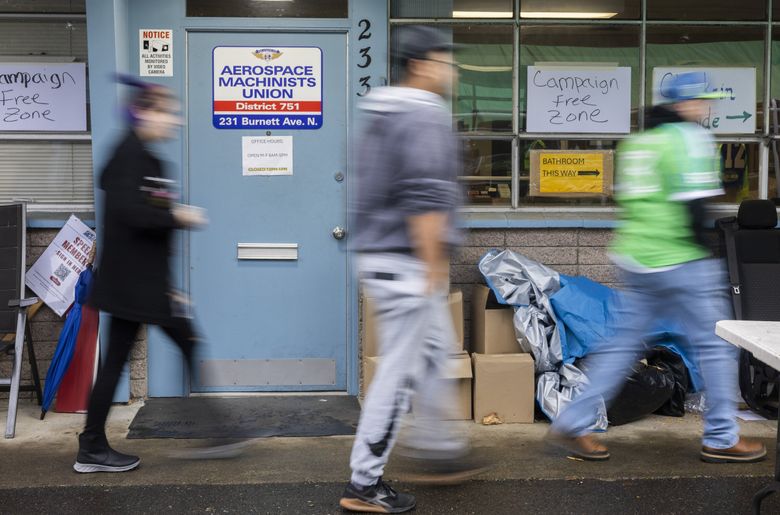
[133,274]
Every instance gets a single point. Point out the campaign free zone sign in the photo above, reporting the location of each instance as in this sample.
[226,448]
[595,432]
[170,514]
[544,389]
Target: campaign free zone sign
[267,87]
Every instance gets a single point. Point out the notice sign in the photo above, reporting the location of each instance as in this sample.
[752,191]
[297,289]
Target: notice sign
[156,52]
[54,276]
[267,87]
[558,173]
[734,113]
[43,97]
[267,155]
[579,99]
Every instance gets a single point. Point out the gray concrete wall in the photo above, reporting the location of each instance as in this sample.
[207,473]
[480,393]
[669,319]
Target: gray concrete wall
[570,251]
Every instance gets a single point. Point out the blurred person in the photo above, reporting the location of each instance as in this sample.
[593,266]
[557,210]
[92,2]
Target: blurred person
[133,281]
[665,177]
[407,196]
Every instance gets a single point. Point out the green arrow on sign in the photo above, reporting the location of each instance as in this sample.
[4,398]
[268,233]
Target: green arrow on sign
[745,115]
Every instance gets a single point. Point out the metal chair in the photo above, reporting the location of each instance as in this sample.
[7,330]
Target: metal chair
[14,307]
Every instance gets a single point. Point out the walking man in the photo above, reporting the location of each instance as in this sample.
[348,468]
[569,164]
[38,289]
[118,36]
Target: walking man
[665,176]
[404,233]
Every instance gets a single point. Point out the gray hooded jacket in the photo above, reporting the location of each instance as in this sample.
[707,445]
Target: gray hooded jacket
[407,164]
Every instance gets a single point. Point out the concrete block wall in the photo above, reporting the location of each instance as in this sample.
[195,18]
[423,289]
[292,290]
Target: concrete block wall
[569,251]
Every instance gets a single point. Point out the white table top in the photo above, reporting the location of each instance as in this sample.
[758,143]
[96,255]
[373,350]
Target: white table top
[762,339]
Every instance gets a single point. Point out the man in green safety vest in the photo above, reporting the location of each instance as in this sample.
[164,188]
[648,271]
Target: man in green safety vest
[665,176]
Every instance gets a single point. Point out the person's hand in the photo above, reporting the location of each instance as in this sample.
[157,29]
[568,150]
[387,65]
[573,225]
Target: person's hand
[190,217]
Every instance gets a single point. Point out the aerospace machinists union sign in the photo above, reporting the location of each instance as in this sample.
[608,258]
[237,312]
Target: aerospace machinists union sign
[267,88]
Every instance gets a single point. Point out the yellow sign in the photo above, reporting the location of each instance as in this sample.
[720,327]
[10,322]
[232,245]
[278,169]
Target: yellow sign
[571,172]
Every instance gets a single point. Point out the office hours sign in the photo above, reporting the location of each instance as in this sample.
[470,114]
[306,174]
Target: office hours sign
[579,99]
[267,88]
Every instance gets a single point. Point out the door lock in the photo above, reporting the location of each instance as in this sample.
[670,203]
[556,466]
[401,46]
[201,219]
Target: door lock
[339,232]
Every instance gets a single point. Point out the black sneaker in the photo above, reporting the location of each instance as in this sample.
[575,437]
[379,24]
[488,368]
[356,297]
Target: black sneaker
[378,498]
[95,455]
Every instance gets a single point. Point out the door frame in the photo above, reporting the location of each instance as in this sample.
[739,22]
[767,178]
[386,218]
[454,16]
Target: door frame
[181,265]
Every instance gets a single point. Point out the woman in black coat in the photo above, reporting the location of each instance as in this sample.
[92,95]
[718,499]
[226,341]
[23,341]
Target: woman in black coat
[133,279]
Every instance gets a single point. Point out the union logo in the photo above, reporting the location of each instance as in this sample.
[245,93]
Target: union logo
[267,54]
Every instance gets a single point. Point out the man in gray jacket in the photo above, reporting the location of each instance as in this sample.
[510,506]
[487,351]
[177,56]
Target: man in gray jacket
[404,232]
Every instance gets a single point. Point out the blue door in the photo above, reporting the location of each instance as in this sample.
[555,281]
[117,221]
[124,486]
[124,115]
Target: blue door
[269,274]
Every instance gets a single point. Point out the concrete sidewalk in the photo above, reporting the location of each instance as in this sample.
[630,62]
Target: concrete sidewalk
[659,449]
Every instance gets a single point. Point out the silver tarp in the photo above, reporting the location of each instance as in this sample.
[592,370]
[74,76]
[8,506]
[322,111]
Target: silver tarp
[527,286]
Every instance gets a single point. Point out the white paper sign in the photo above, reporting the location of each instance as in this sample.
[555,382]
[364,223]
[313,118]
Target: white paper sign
[267,155]
[576,99]
[43,97]
[267,87]
[155,52]
[54,275]
[735,113]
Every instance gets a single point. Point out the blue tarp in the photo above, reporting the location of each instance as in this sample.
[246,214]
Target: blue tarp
[583,307]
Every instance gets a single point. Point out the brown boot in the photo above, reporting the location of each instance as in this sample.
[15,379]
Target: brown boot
[746,451]
[584,447]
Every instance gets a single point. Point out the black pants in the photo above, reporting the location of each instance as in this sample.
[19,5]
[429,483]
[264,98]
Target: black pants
[122,334]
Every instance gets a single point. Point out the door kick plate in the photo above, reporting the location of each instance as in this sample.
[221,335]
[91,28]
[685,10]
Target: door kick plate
[267,251]
[268,372]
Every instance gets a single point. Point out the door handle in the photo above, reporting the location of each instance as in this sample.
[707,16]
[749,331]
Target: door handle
[339,232]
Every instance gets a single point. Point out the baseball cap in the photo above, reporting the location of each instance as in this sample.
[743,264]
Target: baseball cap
[689,86]
[415,41]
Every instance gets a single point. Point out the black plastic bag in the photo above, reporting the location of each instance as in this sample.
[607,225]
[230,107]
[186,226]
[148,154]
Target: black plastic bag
[647,389]
[663,357]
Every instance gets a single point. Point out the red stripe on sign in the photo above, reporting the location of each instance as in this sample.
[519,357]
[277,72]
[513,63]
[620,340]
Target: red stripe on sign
[260,106]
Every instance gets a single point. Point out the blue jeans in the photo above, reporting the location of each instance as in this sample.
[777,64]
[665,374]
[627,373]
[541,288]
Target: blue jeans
[695,295]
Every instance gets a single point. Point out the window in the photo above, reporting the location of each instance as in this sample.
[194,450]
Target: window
[499,39]
[53,171]
[268,8]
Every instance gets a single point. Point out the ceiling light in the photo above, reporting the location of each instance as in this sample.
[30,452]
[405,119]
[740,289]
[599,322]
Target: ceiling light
[481,14]
[567,15]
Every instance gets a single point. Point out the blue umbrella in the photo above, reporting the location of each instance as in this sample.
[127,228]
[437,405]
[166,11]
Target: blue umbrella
[66,345]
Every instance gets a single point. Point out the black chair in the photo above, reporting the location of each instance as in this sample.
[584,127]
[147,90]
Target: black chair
[14,307]
[752,247]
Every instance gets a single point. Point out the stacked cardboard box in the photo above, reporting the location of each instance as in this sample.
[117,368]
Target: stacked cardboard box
[459,366]
[503,376]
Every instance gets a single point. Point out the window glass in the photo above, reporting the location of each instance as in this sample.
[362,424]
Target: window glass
[580,9]
[44,38]
[709,46]
[452,8]
[483,96]
[739,166]
[43,6]
[268,8]
[706,10]
[487,172]
[567,45]
[46,172]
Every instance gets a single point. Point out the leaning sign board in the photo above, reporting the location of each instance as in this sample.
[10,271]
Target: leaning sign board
[54,275]
[267,88]
[579,99]
[571,173]
[43,97]
[734,112]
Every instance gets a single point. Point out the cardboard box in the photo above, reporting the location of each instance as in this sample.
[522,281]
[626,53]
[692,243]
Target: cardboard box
[459,369]
[370,340]
[493,328]
[504,385]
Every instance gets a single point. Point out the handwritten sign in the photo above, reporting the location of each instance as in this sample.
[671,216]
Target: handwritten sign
[267,155]
[54,275]
[576,99]
[43,97]
[560,173]
[732,114]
